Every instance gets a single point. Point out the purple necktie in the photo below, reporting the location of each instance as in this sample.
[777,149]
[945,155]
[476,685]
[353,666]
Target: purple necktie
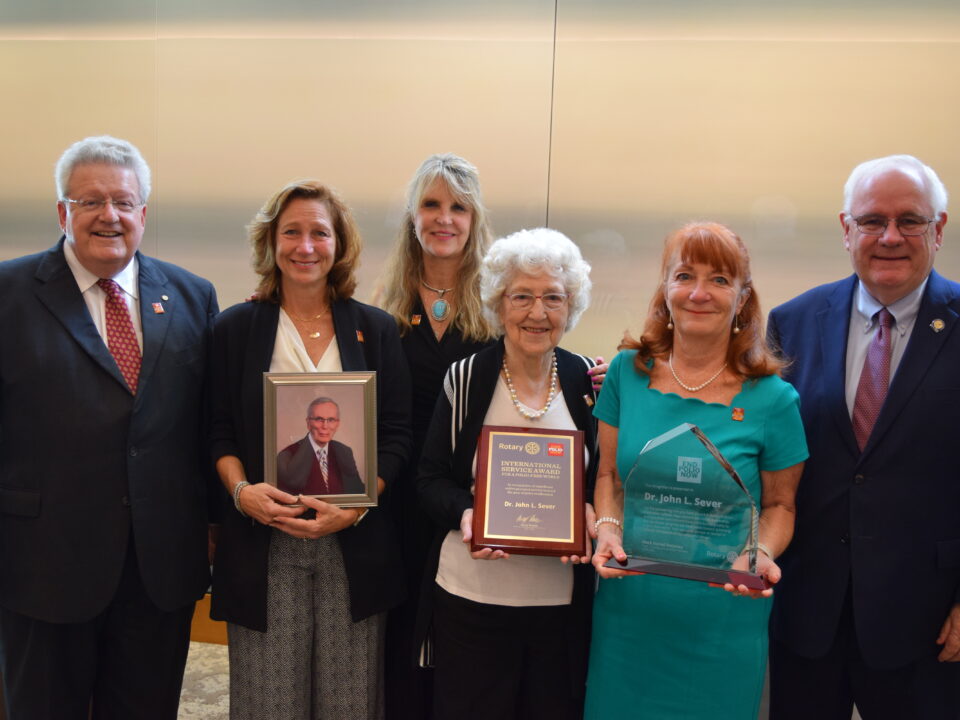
[121,338]
[874,381]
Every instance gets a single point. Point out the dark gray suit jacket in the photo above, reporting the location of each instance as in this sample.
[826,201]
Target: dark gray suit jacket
[297,462]
[83,464]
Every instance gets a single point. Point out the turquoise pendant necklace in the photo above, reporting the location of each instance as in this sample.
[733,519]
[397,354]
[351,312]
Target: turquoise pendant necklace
[440,307]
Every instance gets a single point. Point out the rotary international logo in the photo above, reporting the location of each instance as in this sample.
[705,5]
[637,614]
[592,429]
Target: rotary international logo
[532,448]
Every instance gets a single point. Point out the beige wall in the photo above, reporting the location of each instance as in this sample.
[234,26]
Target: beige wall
[613,121]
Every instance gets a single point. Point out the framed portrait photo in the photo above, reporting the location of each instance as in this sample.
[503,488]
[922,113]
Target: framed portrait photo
[320,435]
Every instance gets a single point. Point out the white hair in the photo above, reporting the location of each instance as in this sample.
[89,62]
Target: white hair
[102,149]
[541,250]
[936,192]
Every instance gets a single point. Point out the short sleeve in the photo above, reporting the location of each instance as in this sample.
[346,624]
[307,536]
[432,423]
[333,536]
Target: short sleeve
[607,408]
[785,443]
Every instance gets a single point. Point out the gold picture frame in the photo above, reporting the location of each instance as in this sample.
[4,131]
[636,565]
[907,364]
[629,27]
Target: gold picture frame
[330,415]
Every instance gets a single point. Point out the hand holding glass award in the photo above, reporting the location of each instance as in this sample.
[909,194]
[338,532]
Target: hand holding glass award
[687,513]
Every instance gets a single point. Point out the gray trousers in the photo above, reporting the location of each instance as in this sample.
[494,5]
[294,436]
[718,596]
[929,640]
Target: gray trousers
[313,662]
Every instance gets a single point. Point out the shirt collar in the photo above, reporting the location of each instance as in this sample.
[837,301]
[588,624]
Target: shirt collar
[126,278]
[904,310]
[316,447]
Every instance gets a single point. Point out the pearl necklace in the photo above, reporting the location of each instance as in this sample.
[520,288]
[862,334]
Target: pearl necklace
[440,307]
[695,388]
[513,392]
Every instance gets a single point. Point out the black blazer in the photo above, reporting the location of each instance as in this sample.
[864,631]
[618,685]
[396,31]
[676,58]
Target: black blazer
[446,473]
[243,346]
[887,518]
[82,462]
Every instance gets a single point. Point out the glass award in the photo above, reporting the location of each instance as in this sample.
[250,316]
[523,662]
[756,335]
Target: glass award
[687,513]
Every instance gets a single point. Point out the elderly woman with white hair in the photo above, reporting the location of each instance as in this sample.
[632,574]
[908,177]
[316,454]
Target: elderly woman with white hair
[510,633]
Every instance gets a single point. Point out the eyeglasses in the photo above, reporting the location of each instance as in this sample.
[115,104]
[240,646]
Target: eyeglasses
[908,225]
[89,205]
[328,421]
[525,301]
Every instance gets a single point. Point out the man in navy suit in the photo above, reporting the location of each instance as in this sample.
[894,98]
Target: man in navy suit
[299,469]
[868,610]
[103,509]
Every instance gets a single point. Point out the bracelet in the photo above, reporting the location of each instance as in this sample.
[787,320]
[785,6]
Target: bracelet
[360,515]
[600,521]
[236,496]
[760,548]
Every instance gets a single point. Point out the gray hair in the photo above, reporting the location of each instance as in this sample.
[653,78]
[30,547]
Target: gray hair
[936,191]
[541,250]
[102,149]
[322,401]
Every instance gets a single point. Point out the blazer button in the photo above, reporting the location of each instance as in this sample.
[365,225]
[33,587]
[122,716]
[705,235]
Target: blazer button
[125,501]
[133,452]
[859,479]
[845,539]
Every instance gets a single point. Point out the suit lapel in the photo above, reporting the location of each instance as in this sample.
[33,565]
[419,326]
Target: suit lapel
[154,289]
[59,292]
[834,325]
[921,351]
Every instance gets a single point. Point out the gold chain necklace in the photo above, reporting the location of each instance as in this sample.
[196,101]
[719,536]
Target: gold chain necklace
[313,335]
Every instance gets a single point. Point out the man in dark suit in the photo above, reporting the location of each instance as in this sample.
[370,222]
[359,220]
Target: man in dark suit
[868,611]
[103,511]
[318,464]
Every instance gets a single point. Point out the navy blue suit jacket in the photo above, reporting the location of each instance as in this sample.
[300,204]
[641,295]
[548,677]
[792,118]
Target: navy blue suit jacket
[82,462]
[885,522]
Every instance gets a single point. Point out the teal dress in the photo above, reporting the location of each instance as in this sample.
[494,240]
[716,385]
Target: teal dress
[670,649]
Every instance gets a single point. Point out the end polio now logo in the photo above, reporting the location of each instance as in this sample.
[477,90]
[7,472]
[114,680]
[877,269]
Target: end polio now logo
[555,449]
[689,469]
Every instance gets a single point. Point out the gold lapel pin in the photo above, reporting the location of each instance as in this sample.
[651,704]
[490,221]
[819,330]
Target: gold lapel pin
[415,320]
[737,414]
[937,325]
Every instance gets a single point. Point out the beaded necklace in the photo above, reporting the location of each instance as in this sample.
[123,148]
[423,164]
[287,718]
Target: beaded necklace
[532,415]
[694,388]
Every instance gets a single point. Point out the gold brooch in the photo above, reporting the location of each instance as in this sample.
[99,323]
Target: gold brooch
[737,414]
[937,325]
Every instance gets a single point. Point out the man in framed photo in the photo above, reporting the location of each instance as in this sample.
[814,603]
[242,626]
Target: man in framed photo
[318,464]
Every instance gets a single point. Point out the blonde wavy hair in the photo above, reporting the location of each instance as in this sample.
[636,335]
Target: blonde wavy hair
[399,286]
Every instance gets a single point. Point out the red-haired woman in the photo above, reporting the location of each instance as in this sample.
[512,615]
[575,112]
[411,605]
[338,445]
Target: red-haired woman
[663,647]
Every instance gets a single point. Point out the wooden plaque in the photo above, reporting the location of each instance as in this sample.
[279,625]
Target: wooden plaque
[528,497]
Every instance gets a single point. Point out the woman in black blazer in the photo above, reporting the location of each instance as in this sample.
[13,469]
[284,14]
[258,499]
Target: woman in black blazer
[304,596]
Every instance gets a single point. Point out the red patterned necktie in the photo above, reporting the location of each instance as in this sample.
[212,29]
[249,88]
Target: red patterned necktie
[121,338]
[874,381]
